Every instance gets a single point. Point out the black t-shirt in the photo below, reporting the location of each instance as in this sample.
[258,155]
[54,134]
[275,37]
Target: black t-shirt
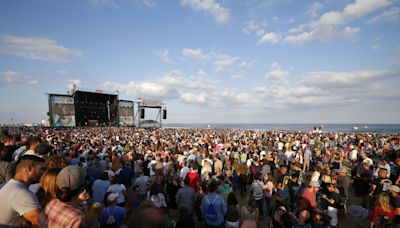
[335,196]
[382,185]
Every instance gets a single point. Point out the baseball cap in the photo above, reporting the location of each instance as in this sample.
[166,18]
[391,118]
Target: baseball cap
[314,184]
[72,177]
[394,188]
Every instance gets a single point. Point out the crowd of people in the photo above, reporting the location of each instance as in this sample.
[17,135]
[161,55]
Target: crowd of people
[130,177]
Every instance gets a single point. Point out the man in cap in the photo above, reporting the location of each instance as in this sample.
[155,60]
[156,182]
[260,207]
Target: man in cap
[65,211]
[394,191]
[19,206]
[310,193]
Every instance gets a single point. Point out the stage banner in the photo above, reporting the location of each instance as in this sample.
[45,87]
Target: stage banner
[62,111]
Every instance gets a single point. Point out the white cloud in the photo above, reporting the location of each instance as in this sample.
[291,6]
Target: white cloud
[220,13]
[313,9]
[328,88]
[62,72]
[201,73]
[269,38]
[223,98]
[375,47]
[112,3]
[37,48]
[253,26]
[393,14]
[12,77]
[164,55]
[33,82]
[346,79]
[274,65]
[167,86]
[277,75]
[297,29]
[245,64]
[72,82]
[236,76]
[194,98]
[195,54]
[224,62]
[150,3]
[333,25]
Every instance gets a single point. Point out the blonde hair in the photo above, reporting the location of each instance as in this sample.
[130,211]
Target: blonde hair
[48,182]
[383,202]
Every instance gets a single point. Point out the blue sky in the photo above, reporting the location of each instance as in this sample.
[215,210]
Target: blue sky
[210,61]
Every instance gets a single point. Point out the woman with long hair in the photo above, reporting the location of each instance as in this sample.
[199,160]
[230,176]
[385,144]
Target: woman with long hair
[382,208]
[232,217]
[48,186]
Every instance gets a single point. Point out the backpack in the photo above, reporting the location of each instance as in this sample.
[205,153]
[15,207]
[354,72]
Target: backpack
[110,219]
[211,212]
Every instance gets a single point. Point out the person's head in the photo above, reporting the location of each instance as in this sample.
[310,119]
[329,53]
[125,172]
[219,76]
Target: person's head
[283,169]
[34,142]
[394,190]
[383,202]
[104,176]
[330,187]
[314,186]
[147,216]
[304,215]
[29,169]
[70,181]
[221,179]
[366,165]
[232,200]
[56,162]
[212,187]
[48,182]
[186,181]
[136,189]
[382,172]
[116,180]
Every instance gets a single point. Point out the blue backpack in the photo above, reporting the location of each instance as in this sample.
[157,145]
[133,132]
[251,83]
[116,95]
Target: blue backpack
[211,213]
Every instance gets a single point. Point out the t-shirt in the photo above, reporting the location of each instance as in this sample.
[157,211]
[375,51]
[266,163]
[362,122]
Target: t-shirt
[185,197]
[194,180]
[382,185]
[141,181]
[99,190]
[219,205]
[16,200]
[120,189]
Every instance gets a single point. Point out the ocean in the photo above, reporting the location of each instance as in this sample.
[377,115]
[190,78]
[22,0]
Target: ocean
[364,128]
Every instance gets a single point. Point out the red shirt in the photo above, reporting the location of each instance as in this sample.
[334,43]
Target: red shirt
[310,196]
[194,180]
[379,211]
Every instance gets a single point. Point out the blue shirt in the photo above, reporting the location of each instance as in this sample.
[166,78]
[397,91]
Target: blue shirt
[219,205]
[126,175]
[117,212]
[99,190]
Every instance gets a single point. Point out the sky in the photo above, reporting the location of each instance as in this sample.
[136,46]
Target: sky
[209,61]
